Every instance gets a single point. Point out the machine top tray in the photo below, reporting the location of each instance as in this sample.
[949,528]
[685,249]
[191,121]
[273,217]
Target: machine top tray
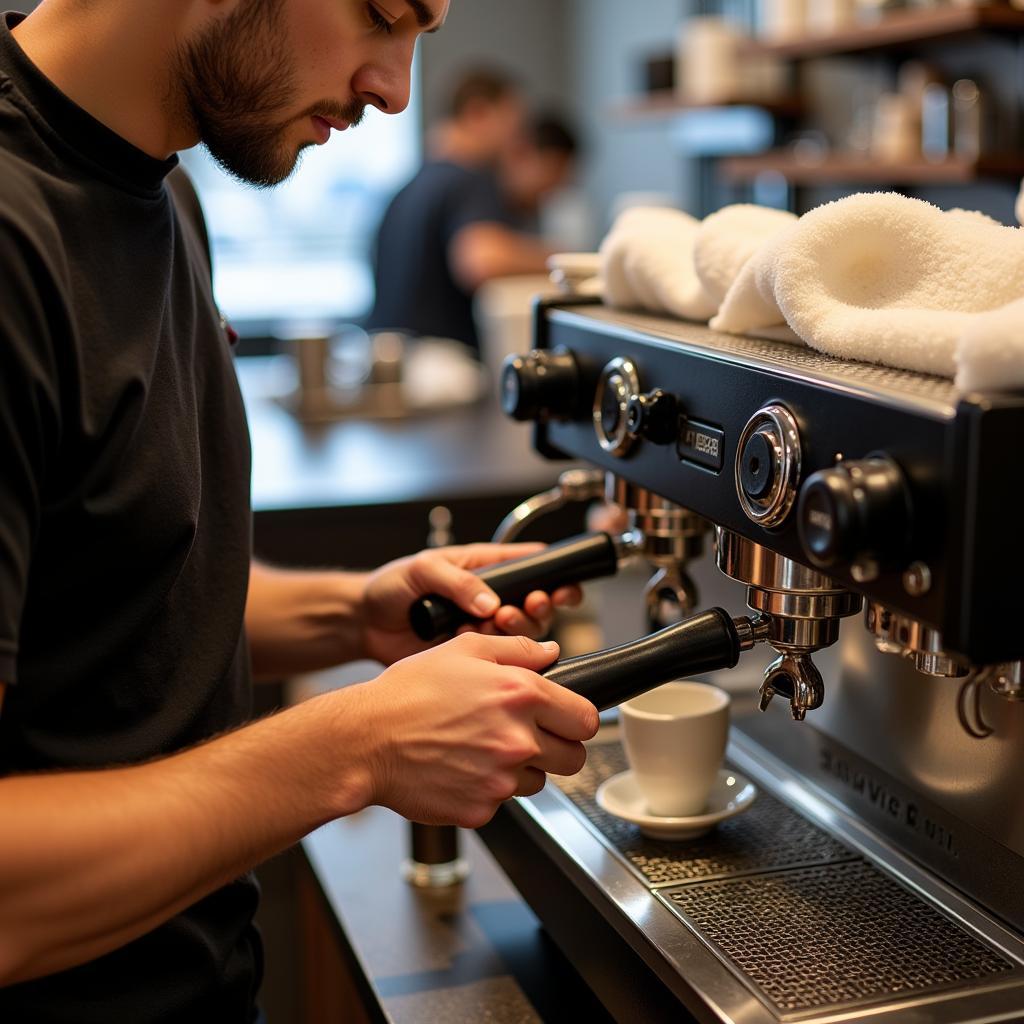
[788,358]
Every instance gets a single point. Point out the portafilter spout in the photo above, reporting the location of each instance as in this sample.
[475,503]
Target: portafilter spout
[673,536]
[803,609]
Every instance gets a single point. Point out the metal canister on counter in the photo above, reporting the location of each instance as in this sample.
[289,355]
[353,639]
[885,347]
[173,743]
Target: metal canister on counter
[434,861]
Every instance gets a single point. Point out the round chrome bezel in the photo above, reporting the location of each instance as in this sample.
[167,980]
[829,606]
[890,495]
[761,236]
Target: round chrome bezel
[619,441]
[777,424]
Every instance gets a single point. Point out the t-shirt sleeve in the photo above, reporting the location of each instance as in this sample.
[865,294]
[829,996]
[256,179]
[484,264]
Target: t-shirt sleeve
[476,199]
[29,423]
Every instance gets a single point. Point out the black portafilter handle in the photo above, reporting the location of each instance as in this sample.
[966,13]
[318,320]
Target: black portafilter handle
[585,557]
[701,643]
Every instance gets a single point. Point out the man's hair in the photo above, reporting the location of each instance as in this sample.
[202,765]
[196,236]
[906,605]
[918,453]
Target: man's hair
[480,85]
[550,133]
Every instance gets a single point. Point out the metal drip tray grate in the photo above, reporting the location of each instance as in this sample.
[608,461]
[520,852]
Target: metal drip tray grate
[767,837]
[820,938]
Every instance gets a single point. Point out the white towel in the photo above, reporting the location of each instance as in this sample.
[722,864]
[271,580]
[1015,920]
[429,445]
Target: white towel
[647,263]
[880,278]
[727,239]
[990,354]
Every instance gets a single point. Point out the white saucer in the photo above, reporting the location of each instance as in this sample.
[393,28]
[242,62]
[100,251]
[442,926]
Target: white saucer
[731,794]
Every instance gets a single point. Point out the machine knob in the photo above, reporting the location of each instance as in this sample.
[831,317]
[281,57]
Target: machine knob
[855,512]
[757,464]
[654,416]
[768,456]
[618,385]
[541,384]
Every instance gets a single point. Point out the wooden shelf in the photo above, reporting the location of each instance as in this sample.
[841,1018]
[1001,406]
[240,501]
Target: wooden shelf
[897,29]
[669,104]
[840,168]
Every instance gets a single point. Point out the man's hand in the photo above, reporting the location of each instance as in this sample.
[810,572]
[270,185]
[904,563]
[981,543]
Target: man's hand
[393,588]
[461,728]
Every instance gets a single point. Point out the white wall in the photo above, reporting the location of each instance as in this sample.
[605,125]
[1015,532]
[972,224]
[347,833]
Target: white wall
[525,37]
[608,41]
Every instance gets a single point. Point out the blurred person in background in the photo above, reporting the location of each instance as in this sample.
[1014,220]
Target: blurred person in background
[462,220]
[542,164]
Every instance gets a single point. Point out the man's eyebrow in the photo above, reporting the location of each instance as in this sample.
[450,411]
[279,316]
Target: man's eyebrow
[424,15]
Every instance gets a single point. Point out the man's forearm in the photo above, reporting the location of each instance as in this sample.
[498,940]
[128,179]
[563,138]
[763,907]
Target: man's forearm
[303,621]
[98,858]
[482,252]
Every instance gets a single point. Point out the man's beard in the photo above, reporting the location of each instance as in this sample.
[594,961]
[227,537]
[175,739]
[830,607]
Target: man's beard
[236,79]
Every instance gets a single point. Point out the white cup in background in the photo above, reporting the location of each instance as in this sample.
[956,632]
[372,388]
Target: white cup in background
[675,739]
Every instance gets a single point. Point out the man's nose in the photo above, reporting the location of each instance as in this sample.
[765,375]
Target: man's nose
[385,84]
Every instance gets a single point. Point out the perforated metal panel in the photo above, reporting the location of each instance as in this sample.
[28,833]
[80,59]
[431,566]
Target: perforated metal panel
[820,938]
[803,920]
[789,355]
[767,836]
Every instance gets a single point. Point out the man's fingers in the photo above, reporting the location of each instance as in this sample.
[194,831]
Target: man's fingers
[558,756]
[529,781]
[567,714]
[608,518]
[515,622]
[517,651]
[538,606]
[567,597]
[434,574]
[446,571]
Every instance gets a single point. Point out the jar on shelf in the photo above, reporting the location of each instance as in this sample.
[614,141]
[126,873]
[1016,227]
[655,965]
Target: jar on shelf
[896,133]
[709,61]
[784,19]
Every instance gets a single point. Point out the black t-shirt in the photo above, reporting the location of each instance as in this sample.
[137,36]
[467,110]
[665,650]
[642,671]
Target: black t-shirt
[125,531]
[415,288]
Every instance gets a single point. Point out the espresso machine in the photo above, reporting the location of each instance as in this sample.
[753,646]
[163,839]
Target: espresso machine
[870,519]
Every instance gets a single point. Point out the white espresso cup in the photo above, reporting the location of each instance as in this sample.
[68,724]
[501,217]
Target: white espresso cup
[675,739]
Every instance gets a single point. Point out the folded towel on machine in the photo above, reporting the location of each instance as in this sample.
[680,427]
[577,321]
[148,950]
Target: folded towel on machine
[990,355]
[876,277]
[880,278]
[647,263]
[725,240]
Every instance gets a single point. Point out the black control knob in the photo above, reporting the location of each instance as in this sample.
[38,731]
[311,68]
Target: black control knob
[857,511]
[654,417]
[759,464]
[540,385]
[767,469]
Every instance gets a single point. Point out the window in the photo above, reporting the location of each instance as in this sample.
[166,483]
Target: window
[301,251]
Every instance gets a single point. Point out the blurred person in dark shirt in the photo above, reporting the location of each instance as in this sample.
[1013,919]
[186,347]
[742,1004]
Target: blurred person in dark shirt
[466,216]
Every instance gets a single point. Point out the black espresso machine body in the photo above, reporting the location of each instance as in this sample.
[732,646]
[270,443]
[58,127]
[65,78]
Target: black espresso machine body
[877,876]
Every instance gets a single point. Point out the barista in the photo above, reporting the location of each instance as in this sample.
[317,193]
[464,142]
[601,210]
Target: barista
[133,799]
[461,221]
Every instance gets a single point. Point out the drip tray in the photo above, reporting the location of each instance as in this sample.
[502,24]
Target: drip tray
[832,936]
[807,924]
[767,837]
